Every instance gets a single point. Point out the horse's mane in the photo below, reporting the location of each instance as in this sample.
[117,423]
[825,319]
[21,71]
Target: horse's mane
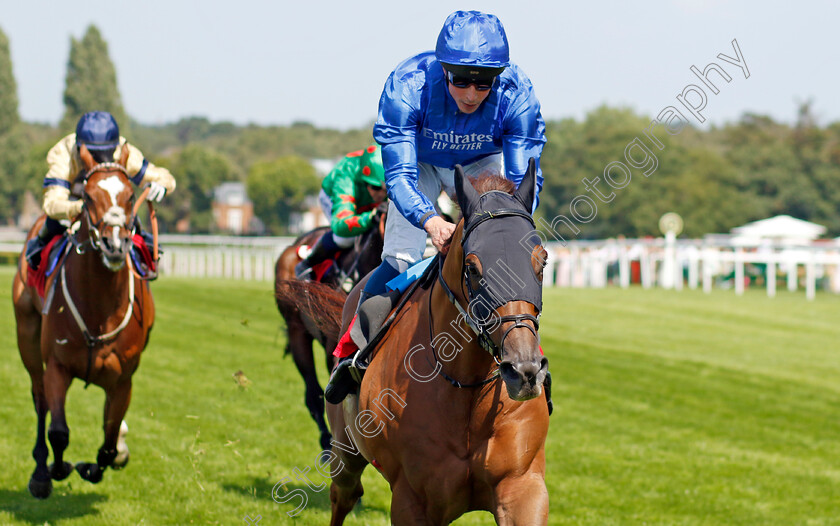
[488,182]
[320,303]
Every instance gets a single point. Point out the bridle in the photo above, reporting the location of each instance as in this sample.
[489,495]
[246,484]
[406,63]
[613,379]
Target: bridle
[94,225]
[482,328]
[94,240]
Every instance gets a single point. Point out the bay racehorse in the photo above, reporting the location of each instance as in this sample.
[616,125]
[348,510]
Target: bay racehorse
[312,310]
[450,410]
[93,325]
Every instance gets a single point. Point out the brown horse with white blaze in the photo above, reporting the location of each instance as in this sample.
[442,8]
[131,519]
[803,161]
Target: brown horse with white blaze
[451,409]
[94,327]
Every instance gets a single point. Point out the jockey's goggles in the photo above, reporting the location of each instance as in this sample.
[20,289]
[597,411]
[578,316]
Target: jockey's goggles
[481,84]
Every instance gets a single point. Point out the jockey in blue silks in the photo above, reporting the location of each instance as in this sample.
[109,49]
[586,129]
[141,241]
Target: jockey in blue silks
[465,103]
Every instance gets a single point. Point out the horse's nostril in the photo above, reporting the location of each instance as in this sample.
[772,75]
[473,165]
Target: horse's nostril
[508,370]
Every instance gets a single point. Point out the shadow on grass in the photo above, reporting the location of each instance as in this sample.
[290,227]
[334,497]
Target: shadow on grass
[261,489]
[24,507]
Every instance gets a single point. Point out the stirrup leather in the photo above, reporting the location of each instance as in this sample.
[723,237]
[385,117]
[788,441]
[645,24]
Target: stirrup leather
[358,368]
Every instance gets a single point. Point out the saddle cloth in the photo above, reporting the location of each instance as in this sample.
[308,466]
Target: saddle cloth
[50,256]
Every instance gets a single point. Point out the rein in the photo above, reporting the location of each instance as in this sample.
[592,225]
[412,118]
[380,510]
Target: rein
[154,225]
[454,382]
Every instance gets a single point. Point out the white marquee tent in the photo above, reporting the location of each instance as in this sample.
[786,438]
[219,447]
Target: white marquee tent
[782,229]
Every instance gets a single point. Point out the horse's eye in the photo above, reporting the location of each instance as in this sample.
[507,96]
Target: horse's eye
[474,276]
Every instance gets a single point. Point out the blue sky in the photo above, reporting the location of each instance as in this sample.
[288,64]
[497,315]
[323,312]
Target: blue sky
[276,62]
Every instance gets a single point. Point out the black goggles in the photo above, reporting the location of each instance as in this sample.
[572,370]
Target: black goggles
[482,84]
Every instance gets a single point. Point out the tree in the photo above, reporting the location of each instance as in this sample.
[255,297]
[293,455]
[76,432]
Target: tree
[8,88]
[279,188]
[10,147]
[690,178]
[197,172]
[91,82]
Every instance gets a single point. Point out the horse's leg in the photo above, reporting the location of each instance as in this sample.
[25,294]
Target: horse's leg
[406,506]
[29,345]
[116,405]
[300,345]
[521,501]
[40,483]
[346,487]
[56,382]
[28,336]
[122,448]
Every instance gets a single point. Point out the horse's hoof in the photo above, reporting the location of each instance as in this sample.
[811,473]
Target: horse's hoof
[61,471]
[40,489]
[89,472]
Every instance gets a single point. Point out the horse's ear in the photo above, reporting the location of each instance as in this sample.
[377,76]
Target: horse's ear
[86,157]
[465,191]
[528,186]
[124,155]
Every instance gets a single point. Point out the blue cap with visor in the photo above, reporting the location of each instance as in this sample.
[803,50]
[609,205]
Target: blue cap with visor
[98,130]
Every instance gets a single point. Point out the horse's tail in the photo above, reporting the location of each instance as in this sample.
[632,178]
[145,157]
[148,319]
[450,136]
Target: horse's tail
[320,303]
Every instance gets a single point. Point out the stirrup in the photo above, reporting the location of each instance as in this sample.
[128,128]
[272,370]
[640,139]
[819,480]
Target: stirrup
[358,367]
[345,379]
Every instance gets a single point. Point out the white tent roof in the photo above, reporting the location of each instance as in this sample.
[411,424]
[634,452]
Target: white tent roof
[783,228]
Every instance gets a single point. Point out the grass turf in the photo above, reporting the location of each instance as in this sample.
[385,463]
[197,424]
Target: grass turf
[671,408]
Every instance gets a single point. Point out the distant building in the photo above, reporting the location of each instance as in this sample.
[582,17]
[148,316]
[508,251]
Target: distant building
[232,210]
[312,217]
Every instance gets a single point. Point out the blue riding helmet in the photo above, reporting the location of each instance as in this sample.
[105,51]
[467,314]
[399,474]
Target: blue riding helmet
[98,130]
[471,40]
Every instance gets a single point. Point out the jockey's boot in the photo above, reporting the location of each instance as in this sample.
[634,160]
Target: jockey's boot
[322,250]
[35,246]
[347,375]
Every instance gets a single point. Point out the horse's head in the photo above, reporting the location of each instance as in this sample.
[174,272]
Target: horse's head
[108,208]
[502,272]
